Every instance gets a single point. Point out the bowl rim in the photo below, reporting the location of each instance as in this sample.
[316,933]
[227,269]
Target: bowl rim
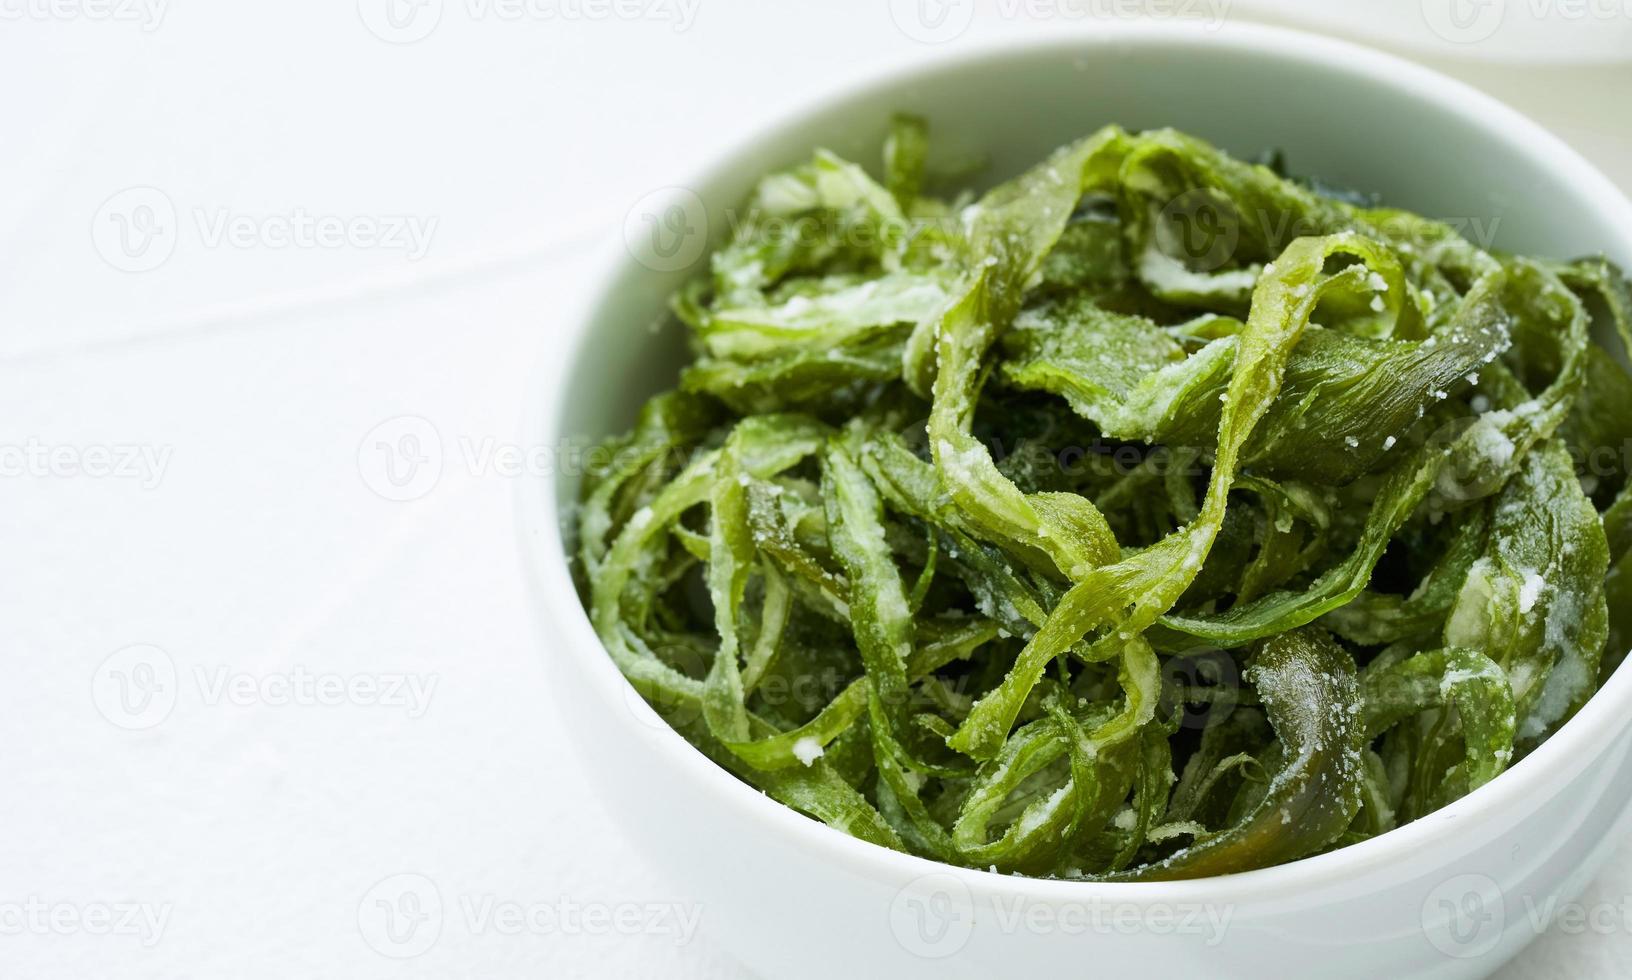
[1589,735]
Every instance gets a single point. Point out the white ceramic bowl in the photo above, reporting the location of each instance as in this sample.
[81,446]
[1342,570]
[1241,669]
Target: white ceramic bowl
[1451,895]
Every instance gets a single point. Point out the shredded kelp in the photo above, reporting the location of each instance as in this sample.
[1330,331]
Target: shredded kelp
[1152,515]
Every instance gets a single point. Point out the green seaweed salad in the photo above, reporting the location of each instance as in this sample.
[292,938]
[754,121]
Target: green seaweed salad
[1152,515]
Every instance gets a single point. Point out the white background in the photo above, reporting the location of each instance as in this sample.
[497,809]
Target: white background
[253,372]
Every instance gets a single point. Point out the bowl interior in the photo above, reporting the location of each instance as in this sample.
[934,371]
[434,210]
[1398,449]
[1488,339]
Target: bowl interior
[1347,115]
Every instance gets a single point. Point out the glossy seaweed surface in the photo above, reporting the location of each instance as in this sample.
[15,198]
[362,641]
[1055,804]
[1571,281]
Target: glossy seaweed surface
[1152,515]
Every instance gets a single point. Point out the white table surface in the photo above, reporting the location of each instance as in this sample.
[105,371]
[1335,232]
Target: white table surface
[243,829]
